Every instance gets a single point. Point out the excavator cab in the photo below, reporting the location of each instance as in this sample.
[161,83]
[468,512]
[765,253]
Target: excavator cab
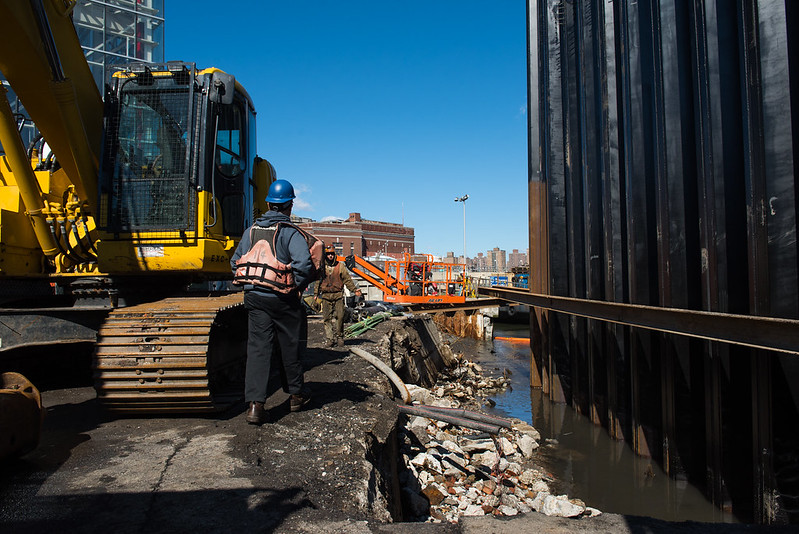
[177,166]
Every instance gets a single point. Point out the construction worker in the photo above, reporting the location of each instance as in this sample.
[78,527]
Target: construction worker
[272,300]
[330,290]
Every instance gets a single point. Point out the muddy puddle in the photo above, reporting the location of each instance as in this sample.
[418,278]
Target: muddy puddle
[581,456]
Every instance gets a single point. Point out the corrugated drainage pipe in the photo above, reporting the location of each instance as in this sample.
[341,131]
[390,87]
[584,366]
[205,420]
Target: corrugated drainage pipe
[386,370]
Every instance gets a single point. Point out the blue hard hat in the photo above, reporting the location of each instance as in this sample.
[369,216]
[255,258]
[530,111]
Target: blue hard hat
[280,192]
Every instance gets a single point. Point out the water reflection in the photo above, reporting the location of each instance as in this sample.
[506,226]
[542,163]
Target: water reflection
[587,464]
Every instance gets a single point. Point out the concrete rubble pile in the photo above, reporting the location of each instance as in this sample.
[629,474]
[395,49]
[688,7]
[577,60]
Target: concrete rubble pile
[452,471]
[466,383]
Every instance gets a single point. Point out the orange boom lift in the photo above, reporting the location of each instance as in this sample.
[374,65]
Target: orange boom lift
[414,279]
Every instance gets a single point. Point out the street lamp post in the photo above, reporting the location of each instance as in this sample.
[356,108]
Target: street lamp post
[463,199]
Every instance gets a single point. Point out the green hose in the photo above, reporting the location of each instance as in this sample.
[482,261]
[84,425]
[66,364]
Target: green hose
[360,327]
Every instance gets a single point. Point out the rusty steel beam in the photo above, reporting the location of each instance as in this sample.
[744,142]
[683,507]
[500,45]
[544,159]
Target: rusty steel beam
[767,333]
[470,304]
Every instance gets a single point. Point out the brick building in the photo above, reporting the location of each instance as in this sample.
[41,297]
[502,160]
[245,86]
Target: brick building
[495,259]
[478,263]
[363,237]
[452,259]
[518,259]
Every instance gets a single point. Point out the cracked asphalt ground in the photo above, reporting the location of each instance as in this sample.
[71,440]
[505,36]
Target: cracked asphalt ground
[98,472]
[307,472]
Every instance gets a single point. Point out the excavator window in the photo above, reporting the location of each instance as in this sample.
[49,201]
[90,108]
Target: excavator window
[230,162]
[230,157]
[150,180]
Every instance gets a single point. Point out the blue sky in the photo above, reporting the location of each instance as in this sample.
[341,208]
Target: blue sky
[387,108]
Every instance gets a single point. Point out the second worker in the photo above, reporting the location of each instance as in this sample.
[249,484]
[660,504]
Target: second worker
[330,290]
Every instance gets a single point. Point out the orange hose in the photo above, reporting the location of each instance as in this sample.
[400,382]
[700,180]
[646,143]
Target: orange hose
[514,339]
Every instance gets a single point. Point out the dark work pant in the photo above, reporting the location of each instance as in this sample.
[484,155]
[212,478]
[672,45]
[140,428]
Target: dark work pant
[270,320]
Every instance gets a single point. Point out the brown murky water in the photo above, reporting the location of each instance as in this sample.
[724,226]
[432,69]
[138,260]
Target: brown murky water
[587,464]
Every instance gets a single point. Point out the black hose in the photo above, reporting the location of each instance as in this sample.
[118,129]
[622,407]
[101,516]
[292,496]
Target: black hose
[72,253]
[48,162]
[57,240]
[386,370]
[423,411]
[85,222]
[468,414]
[88,255]
[31,146]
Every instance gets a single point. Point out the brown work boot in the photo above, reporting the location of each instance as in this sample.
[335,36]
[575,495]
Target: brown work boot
[256,415]
[296,402]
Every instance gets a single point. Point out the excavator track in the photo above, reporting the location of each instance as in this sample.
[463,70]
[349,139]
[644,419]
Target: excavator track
[177,355]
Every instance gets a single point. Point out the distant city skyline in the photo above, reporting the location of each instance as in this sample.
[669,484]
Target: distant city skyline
[495,259]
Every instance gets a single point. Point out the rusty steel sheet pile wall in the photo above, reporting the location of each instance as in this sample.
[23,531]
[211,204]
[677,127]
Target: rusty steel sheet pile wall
[662,173]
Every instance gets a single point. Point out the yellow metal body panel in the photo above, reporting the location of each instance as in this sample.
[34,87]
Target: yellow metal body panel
[205,256]
[208,252]
[20,254]
[263,177]
[20,262]
[9,199]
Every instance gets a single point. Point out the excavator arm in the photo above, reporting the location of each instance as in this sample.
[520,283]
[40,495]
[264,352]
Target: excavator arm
[42,59]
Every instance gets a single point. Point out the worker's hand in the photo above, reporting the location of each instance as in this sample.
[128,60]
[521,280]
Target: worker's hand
[358,293]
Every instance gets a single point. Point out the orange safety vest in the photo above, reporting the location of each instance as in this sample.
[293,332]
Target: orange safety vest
[260,267]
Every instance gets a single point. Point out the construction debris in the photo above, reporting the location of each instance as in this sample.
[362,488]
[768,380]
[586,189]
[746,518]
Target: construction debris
[451,471]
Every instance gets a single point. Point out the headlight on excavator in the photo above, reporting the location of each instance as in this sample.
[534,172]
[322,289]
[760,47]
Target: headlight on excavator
[178,71]
[142,74]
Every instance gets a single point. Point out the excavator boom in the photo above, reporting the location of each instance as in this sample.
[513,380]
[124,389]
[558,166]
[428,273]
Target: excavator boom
[372,274]
[42,59]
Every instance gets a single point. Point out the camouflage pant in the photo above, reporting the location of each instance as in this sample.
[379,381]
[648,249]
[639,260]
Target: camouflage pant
[333,316]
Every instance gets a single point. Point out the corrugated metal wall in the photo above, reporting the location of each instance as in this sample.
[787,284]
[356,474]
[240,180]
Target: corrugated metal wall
[662,173]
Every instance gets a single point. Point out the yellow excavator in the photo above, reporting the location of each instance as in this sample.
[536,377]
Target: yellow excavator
[115,222]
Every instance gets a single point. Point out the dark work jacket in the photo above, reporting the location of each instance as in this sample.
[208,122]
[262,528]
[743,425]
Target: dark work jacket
[290,247]
[331,286]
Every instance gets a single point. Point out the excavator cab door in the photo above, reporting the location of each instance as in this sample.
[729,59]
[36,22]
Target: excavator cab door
[233,162]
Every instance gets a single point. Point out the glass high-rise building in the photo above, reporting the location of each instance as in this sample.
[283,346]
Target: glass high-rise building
[111,33]
[115,32]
